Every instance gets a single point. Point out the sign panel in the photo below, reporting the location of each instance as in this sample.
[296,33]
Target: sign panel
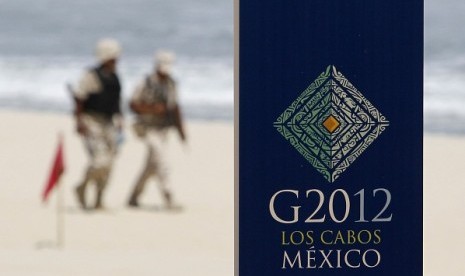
[330,126]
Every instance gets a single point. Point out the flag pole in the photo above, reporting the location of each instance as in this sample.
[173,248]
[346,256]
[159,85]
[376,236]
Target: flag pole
[60,207]
[52,183]
[60,217]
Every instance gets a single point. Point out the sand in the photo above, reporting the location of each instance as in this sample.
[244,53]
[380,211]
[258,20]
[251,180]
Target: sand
[199,240]
[444,205]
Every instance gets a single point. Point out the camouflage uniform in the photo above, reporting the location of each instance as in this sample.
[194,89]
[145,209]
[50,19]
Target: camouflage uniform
[100,94]
[152,129]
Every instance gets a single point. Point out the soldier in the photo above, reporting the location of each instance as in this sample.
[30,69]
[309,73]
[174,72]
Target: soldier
[155,103]
[98,118]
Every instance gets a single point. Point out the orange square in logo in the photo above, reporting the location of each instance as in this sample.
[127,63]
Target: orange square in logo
[331,124]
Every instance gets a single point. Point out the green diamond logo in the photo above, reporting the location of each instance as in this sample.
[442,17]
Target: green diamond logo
[331,124]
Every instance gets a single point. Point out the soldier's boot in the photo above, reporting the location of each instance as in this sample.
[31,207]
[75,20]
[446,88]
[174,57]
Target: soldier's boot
[98,200]
[168,199]
[80,195]
[140,185]
[133,201]
[134,198]
[81,188]
[101,184]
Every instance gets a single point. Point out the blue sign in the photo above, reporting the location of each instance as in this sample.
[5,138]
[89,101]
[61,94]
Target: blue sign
[330,137]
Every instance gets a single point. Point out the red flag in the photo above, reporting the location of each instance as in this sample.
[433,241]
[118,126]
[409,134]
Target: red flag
[56,172]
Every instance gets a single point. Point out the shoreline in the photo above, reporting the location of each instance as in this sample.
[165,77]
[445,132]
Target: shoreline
[192,113]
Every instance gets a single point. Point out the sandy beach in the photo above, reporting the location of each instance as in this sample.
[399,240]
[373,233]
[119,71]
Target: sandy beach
[198,240]
[118,241]
[444,205]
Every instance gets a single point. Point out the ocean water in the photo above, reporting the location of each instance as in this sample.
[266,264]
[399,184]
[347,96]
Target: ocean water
[45,44]
[444,84]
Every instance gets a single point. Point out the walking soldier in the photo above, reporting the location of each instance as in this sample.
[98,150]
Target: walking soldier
[98,118]
[155,103]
